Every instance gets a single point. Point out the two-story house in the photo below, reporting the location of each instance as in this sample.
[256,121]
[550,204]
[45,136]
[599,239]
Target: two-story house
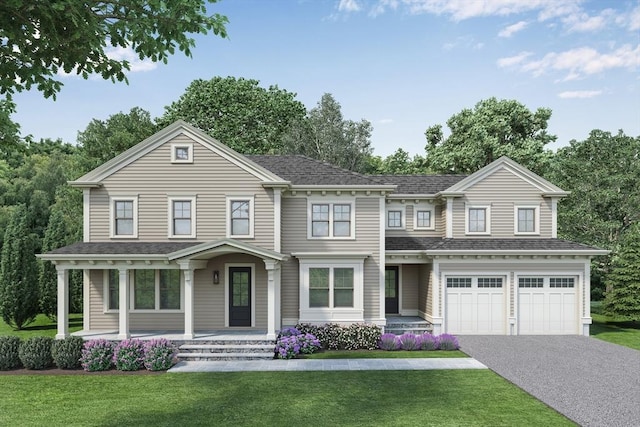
[183,234]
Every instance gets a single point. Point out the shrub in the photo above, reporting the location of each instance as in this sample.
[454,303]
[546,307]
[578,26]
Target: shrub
[289,331]
[448,342]
[287,347]
[128,355]
[159,354]
[308,343]
[428,342]
[389,342]
[97,355]
[67,352]
[409,341]
[35,353]
[360,336]
[9,353]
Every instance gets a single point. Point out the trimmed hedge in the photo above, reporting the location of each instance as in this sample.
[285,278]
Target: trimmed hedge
[9,353]
[67,352]
[332,336]
[35,353]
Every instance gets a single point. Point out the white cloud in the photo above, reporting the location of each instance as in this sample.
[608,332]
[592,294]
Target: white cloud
[127,54]
[577,62]
[512,29]
[580,94]
[582,22]
[385,121]
[634,19]
[348,6]
[513,60]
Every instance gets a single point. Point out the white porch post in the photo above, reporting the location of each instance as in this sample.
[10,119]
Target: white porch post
[188,304]
[63,303]
[272,295]
[123,304]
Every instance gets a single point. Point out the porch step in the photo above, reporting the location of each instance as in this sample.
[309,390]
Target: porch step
[413,326]
[227,350]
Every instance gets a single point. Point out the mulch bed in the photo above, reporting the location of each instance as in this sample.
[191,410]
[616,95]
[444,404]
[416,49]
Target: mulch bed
[56,371]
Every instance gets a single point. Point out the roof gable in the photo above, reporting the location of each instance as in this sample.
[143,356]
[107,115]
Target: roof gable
[180,127]
[505,163]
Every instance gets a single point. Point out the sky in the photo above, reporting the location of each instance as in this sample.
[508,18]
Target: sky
[403,65]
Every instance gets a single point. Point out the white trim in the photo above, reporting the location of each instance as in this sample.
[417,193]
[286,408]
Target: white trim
[399,268]
[86,300]
[188,146]
[157,309]
[432,217]
[449,218]
[536,220]
[86,214]
[227,266]
[381,263]
[241,198]
[487,220]
[331,202]
[277,218]
[105,292]
[403,216]
[332,314]
[170,201]
[554,217]
[112,216]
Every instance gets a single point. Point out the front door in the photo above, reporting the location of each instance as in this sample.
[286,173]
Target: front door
[391,301]
[239,296]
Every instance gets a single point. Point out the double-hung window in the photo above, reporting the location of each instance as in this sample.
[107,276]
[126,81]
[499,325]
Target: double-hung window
[240,217]
[478,220]
[331,287]
[182,218]
[394,219]
[113,289]
[527,220]
[156,290]
[331,220]
[124,217]
[423,219]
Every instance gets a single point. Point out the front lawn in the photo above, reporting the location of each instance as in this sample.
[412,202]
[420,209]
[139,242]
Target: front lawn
[382,354]
[344,398]
[614,330]
[42,327]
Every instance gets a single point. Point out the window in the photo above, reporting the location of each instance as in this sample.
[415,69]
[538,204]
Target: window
[458,282]
[423,219]
[530,282]
[394,219]
[124,217]
[561,282]
[182,212]
[478,220]
[330,220]
[113,290]
[526,220]
[330,287]
[181,153]
[240,214]
[489,282]
[156,290]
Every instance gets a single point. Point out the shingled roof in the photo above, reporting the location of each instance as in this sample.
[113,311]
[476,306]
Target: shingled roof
[302,170]
[122,248]
[420,184]
[443,244]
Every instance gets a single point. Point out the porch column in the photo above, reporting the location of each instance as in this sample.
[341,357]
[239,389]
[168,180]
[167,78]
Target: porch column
[272,296]
[63,303]
[123,304]
[188,304]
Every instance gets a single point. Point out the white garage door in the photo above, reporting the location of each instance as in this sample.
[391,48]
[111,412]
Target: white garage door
[475,305]
[547,306]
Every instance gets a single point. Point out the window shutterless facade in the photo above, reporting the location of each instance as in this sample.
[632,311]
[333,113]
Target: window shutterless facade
[240,217]
[182,153]
[156,290]
[527,220]
[330,220]
[423,219]
[124,217]
[182,217]
[478,220]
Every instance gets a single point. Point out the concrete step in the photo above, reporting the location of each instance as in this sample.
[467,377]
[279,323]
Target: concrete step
[226,348]
[210,357]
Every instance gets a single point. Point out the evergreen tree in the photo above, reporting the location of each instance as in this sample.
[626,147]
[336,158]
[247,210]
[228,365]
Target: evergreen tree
[18,272]
[54,237]
[623,283]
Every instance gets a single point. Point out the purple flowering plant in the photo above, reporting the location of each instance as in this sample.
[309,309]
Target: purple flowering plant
[159,354]
[128,355]
[428,342]
[97,355]
[448,342]
[409,341]
[389,342]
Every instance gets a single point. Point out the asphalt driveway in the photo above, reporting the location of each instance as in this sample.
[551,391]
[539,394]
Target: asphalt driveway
[592,382]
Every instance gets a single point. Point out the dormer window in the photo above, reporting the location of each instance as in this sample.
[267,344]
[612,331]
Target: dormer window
[181,153]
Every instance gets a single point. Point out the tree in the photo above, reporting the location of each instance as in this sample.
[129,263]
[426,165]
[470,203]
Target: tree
[398,163]
[18,272]
[623,283]
[238,112]
[494,128]
[54,237]
[9,130]
[325,135]
[103,140]
[40,39]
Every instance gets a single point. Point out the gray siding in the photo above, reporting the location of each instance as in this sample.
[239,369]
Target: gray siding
[502,191]
[100,321]
[410,286]
[409,230]
[153,178]
[425,295]
[294,239]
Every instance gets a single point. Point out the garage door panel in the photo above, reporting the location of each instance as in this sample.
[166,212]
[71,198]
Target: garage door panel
[475,310]
[545,310]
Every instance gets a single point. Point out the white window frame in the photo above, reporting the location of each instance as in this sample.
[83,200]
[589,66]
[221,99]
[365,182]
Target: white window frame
[157,309]
[170,202]
[251,200]
[432,221]
[331,313]
[403,216]
[487,220]
[105,281]
[176,146]
[331,203]
[112,217]
[536,220]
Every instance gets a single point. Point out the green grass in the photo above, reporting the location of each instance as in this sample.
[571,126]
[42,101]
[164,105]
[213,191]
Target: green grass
[42,327]
[614,330]
[381,354]
[341,398]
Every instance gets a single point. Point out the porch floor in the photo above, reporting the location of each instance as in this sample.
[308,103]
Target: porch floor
[214,335]
[404,319]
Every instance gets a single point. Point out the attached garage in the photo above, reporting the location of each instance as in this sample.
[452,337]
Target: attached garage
[475,305]
[547,306]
